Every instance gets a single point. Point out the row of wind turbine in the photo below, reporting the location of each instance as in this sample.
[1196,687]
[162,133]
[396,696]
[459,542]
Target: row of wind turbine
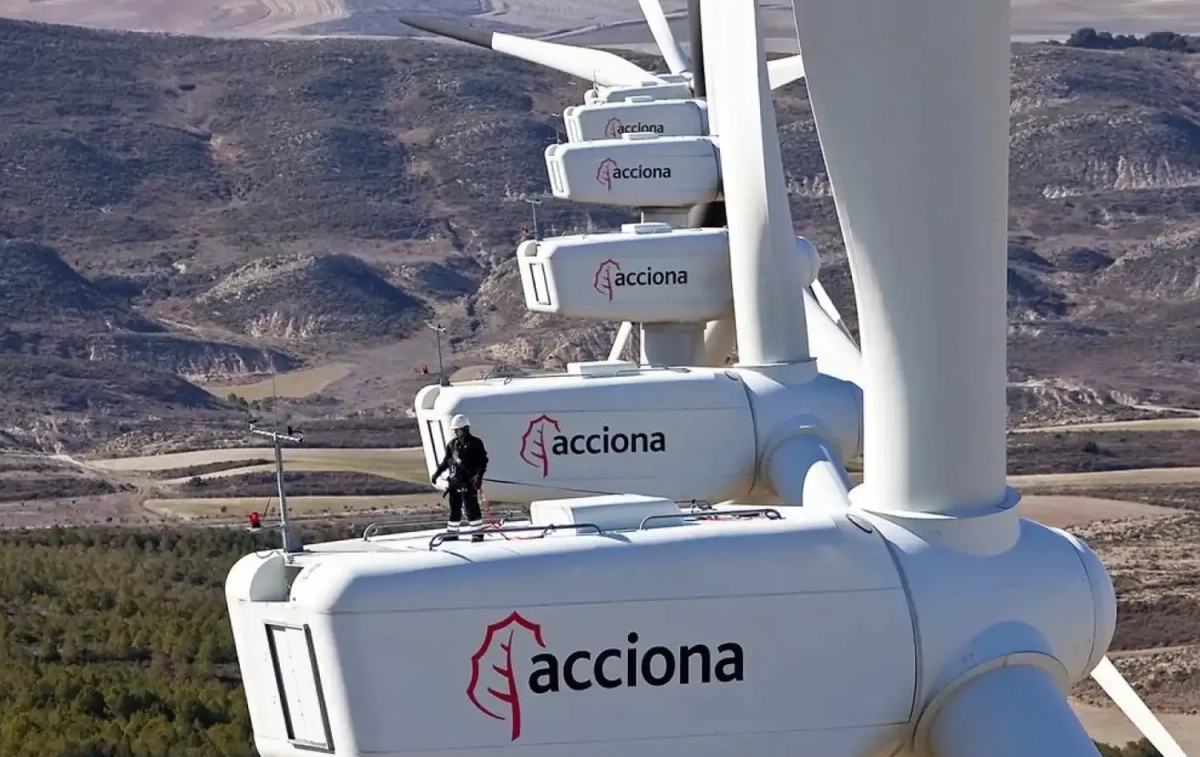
[609,69]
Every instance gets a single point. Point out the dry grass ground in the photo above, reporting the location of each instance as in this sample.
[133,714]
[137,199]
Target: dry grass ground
[292,385]
[1094,479]
[379,461]
[1108,725]
[401,467]
[223,508]
[1189,421]
[1064,511]
[1156,571]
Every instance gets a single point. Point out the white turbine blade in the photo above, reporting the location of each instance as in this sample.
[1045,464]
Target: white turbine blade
[1127,700]
[836,353]
[620,341]
[596,66]
[783,71]
[770,320]
[827,305]
[1009,710]
[677,60]
[720,338]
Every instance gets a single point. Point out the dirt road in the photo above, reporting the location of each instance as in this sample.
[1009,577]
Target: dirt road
[1109,725]
[335,459]
[1137,477]
[1064,511]
[365,459]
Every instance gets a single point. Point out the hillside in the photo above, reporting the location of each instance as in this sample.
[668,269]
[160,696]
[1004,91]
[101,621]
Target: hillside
[309,297]
[206,210]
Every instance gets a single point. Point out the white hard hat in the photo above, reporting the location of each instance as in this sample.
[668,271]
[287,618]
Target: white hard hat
[459,421]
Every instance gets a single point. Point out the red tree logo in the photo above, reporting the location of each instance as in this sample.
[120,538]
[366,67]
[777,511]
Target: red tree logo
[533,443]
[503,698]
[604,174]
[602,282]
[612,129]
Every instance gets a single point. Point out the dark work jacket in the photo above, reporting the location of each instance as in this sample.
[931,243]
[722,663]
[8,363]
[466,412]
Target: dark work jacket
[466,460]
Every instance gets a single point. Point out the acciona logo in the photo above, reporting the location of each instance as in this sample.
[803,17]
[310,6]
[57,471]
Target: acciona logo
[609,172]
[609,277]
[615,128]
[545,439]
[499,679]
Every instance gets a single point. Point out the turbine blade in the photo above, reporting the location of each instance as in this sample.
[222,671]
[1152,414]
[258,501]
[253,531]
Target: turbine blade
[827,305]
[709,215]
[720,339]
[621,339]
[836,353]
[784,71]
[1010,710]
[598,66]
[1127,700]
[761,236]
[677,60]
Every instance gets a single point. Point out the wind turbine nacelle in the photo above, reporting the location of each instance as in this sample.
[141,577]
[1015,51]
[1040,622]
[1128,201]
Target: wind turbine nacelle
[647,273]
[638,115]
[710,638]
[668,87]
[602,428]
[638,170]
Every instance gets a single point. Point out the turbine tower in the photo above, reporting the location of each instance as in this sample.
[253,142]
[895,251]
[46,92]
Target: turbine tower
[915,615]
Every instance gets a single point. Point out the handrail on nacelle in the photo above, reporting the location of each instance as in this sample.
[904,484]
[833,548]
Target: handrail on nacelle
[769,513]
[374,529]
[504,530]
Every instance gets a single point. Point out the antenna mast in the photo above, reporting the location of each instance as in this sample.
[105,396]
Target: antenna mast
[291,543]
[439,330]
[533,206]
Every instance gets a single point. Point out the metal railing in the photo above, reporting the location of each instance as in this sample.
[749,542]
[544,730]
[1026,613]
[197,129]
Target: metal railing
[505,530]
[376,529]
[769,513]
[699,510]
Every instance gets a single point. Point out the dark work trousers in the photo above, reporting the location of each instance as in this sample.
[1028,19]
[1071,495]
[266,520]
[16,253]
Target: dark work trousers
[458,498]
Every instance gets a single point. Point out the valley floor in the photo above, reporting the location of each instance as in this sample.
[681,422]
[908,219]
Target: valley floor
[611,24]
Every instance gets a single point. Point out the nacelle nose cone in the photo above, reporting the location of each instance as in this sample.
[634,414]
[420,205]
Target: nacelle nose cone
[1104,599]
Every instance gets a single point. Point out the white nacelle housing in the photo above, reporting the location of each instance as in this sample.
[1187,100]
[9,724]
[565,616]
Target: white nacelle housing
[668,87]
[613,512]
[532,646]
[638,115]
[680,433]
[646,273]
[639,170]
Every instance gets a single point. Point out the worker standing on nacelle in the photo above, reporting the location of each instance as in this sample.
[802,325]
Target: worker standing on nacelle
[466,461]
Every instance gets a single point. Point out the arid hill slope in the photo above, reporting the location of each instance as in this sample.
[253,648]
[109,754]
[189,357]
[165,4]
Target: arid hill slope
[213,208]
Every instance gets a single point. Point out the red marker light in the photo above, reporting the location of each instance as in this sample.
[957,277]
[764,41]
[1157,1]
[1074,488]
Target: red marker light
[255,520]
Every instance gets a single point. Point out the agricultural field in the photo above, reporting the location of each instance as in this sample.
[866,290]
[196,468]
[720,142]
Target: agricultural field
[291,385]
